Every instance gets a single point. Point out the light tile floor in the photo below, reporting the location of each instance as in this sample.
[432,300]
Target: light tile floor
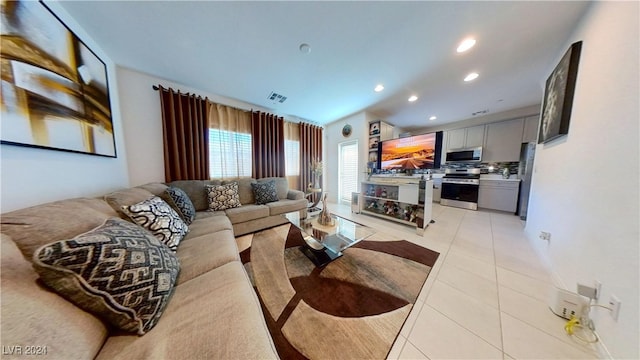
[486,297]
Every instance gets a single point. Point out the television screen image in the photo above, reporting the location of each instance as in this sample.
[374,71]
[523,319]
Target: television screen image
[411,153]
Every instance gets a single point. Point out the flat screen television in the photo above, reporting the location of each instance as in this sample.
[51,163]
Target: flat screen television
[411,153]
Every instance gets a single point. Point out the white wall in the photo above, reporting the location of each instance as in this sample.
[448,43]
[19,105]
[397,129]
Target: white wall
[33,176]
[140,108]
[332,139]
[585,185]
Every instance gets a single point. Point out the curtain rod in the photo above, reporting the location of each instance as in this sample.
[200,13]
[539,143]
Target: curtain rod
[156,87]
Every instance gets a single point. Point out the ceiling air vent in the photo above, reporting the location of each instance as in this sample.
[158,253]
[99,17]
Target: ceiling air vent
[481,112]
[277,98]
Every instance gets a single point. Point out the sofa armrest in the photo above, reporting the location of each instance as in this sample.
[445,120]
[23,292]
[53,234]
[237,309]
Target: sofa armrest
[295,194]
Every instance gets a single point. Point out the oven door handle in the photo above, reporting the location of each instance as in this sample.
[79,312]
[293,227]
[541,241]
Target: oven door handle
[477,182]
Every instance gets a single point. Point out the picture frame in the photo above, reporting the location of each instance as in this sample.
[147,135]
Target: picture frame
[558,96]
[373,142]
[55,90]
[374,128]
[373,156]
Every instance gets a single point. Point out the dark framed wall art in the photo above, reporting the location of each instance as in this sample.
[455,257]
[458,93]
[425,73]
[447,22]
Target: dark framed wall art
[558,96]
[55,93]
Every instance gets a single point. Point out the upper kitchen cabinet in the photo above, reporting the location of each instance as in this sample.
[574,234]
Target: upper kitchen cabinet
[475,136]
[465,138]
[502,141]
[530,133]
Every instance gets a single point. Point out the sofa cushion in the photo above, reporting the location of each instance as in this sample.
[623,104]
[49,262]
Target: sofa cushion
[160,219]
[125,197]
[33,315]
[33,227]
[222,197]
[245,191]
[281,185]
[156,188]
[246,213]
[208,214]
[285,206]
[252,226]
[214,316]
[265,192]
[117,271]
[179,201]
[206,226]
[196,191]
[205,253]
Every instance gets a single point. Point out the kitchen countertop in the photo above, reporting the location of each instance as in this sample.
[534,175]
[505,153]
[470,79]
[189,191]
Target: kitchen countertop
[498,177]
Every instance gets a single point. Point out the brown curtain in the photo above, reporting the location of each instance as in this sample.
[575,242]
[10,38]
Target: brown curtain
[267,135]
[310,150]
[185,135]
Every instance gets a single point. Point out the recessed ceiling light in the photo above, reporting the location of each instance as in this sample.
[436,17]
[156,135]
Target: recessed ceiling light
[413,98]
[433,117]
[378,88]
[305,48]
[471,76]
[466,45]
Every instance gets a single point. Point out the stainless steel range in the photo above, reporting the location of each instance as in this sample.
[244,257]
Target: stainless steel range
[460,188]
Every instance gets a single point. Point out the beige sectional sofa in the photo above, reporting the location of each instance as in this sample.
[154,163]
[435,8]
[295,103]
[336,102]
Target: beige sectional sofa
[213,313]
[250,217]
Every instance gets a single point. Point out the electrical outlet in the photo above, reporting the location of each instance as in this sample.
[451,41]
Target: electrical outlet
[598,286]
[614,304]
[589,291]
[545,235]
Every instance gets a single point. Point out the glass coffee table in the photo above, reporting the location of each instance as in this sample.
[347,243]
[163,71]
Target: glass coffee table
[324,243]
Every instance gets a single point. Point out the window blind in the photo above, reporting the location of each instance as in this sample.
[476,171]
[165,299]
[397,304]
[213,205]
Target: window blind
[292,157]
[348,171]
[229,154]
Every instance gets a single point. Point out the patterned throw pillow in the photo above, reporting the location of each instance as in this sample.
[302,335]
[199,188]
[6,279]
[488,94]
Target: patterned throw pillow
[222,197]
[160,219]
[182,204]
[117,271]
[265,192]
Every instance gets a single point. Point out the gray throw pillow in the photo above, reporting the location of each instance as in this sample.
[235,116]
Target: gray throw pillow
[179,201]
[265,192]
[117,271]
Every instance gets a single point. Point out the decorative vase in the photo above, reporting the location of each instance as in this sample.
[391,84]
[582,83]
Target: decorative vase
[325,216]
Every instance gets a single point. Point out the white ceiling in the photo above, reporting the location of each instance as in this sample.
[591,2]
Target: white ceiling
[246,50]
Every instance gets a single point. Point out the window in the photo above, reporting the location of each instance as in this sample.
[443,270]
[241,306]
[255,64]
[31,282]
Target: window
[292,157]
[348,170]
[229,154]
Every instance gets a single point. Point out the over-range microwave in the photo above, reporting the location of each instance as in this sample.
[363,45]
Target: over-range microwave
[465,155]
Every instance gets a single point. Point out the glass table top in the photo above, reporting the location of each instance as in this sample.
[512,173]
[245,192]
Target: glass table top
[335,238]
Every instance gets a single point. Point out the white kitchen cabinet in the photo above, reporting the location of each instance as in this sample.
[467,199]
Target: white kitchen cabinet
[455,139]
[530,133]
[474,136]
[498,195]
[465,138]
[386,131]
[502,141]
